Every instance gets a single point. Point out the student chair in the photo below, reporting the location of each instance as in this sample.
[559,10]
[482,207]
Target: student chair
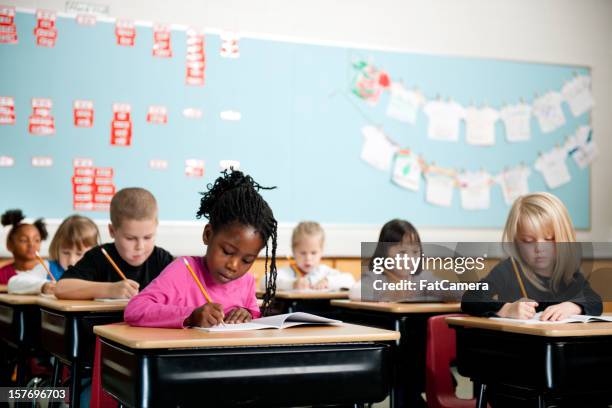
[601,282]
[99,398]
[441,351]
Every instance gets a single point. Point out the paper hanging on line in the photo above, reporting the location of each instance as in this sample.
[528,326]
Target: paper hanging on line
[480,126]
[407,170]
[377,149]
[517,121]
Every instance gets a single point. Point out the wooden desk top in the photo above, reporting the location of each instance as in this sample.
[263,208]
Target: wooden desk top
[3,288]
[546,330]
[81,305]
[399,307]
[19,299]
[149,338]
[308,294]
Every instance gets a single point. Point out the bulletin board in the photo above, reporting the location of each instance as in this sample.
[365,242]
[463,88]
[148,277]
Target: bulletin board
[300,126]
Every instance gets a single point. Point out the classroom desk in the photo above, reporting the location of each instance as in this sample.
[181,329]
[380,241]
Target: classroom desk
[410,320]
[145,367]
[67,333]
[20,330]
[521,364]
[310,301]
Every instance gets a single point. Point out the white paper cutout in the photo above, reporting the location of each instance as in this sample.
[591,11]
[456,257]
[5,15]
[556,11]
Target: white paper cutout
[547,108]
[514,183]
[480,126]
[377,149]
[444,120]
[553,168]
[577,93]
[440,185]
[404,104]
[230,115]
[407,170]
[475,190]
[517,121]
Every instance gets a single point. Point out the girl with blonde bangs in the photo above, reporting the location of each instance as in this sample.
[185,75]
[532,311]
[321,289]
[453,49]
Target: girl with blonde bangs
[542,273]
[543,212]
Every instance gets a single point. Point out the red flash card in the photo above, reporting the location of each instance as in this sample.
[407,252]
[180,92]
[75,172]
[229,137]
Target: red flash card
[41,121]
[7,110]
[83,111]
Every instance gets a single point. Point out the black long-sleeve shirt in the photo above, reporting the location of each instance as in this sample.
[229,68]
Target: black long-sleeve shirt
[95,267]
[504,288]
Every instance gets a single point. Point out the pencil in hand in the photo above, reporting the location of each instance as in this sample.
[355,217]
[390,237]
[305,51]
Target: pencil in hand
[113,263]
[42,262]
[195,277]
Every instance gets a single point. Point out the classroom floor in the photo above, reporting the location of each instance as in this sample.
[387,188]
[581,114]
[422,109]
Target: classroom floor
[464,390]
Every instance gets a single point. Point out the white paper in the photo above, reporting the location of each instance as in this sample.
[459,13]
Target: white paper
[547,108]
[517,121]
[439,189]
[444,120]
[377,150]
[553,168]
[404,104]
[572,319]
[514,183]
[577,93]
[407,170]
[282,321]
[480,126]
[475,190]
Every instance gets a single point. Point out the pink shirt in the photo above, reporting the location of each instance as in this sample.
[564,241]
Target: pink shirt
[173,295]
[6,273]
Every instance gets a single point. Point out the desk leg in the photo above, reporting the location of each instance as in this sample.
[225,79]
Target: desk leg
[481,401]
[75,384]
[292,306]
[541,401]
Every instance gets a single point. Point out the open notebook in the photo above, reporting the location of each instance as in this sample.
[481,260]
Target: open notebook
[572,319]
[274,322]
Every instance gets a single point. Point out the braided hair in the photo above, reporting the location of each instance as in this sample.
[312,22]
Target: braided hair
[234,198]
[14,218]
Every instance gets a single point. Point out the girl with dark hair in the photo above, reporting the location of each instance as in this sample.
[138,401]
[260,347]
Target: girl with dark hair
[23,241]
[398,238]
[240,225]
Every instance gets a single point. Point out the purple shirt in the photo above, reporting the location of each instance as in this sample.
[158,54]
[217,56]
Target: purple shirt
[173,295]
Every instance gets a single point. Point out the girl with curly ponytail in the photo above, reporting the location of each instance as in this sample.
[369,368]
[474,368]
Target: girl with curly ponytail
[240,225]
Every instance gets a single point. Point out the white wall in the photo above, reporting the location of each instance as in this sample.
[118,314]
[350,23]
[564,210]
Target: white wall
[554,31]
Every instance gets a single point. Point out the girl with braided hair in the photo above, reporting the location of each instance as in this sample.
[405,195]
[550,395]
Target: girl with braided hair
[23,241]
[240,225]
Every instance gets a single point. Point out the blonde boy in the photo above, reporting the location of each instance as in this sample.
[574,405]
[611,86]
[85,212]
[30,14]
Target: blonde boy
[307,272]
[133,213]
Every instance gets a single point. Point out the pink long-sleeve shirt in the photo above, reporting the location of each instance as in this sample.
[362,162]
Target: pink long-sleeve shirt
[173,295]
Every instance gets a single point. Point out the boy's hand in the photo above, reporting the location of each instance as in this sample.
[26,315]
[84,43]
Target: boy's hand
[521,309]
[560,311]
[238,315]
[322,284]
[48,288]
[123,289]
[301,283]
[208,315]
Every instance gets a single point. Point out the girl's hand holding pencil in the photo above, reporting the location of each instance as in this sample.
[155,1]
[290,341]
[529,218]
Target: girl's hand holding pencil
[208,315]
[521,309]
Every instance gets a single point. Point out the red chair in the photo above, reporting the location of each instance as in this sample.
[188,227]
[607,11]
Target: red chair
[99,398]
[441,351]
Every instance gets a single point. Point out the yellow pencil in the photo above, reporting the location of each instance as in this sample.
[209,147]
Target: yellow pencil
[519,279]
[195,277]
[45,266]
[113,263]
